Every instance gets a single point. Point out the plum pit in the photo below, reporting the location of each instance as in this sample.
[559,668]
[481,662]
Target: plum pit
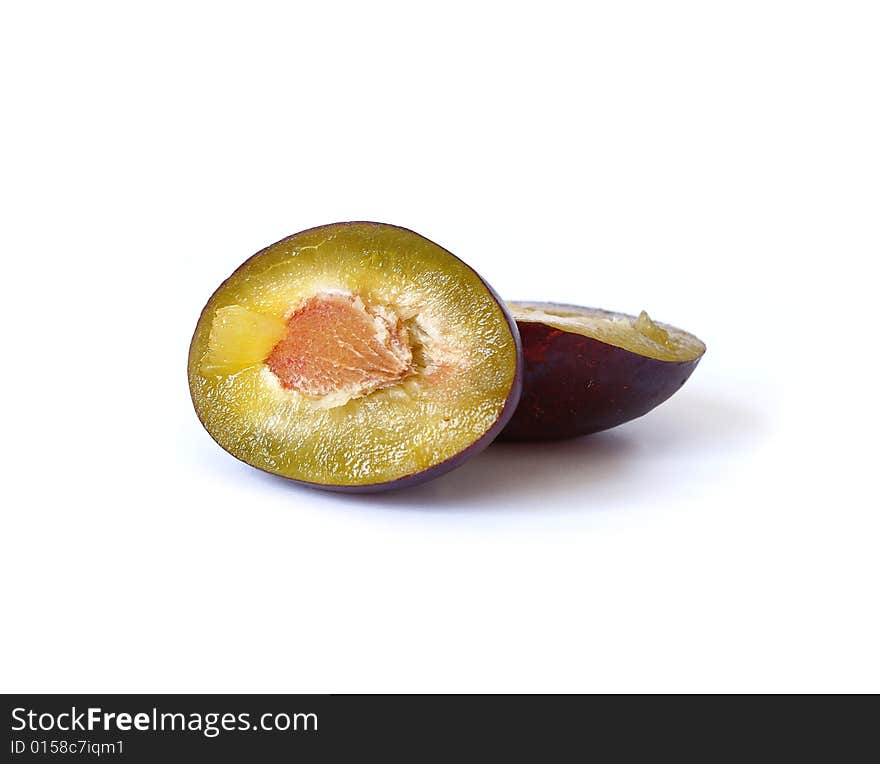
[336,345]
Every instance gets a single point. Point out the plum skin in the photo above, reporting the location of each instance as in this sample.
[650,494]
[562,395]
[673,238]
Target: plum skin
[576,385]
[422,476]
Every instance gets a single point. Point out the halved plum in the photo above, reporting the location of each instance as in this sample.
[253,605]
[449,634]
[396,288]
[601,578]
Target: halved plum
[355,357]
[588,370]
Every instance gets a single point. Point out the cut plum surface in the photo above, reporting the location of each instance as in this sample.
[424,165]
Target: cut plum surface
[355,356]
[638,334]
[588,370]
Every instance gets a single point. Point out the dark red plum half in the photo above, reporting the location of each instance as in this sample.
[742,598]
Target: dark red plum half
[588,370]
[355,357]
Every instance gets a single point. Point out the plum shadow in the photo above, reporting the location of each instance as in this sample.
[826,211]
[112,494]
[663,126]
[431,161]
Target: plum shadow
[586,473]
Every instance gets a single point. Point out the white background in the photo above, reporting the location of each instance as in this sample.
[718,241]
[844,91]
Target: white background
[715,163]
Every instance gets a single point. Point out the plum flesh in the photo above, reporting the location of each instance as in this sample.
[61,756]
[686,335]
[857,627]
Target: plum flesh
[355,357]
[588,370]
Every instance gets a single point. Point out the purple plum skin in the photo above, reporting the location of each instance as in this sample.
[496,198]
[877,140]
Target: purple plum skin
[576,385]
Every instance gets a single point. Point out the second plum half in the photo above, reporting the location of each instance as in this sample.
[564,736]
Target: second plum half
[588,370]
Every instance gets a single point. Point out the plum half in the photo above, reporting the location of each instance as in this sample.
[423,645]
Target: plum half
[355,357]
[588,370]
